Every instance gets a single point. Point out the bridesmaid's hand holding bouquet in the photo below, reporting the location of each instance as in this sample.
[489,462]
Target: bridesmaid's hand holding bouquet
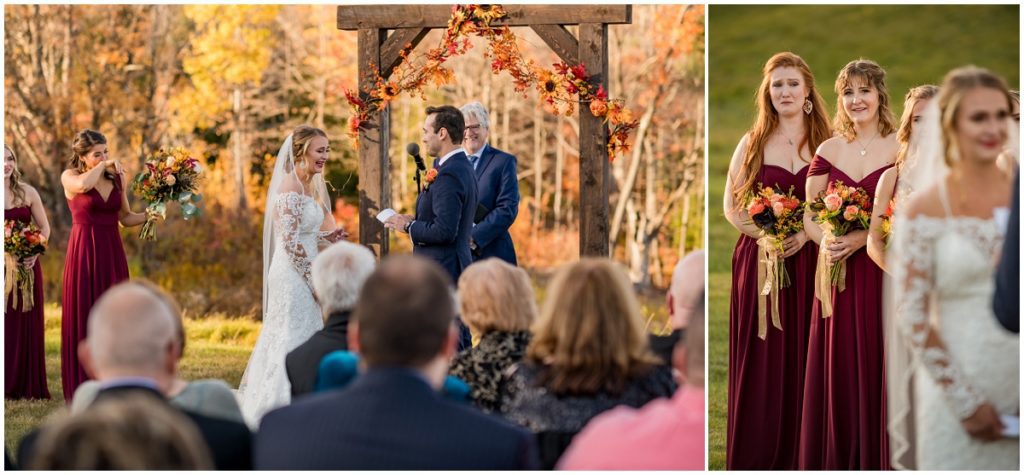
[170,175]
[22,242]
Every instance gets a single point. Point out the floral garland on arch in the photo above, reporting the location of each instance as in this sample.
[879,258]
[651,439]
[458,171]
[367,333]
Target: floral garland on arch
[561,87]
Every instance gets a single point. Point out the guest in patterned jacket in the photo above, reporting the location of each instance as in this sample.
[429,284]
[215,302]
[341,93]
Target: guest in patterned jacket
[498,305]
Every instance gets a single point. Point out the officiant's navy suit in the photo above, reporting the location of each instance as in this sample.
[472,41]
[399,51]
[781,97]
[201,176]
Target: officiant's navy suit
[389,419]
[444,216]
[498,189]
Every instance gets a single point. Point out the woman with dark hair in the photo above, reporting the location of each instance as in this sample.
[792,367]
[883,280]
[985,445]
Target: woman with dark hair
[94,186]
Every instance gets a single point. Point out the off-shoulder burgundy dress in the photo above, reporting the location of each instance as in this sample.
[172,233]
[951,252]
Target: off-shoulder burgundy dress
[24,350]
[843,426]
[766,376]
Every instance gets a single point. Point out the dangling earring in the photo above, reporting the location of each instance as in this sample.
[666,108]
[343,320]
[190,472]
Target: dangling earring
[808,106]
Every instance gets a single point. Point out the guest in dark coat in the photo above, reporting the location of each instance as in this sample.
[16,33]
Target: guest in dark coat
[497,187]
[132,350]
[498,305]
[1007,295]
[338,275]
[589,353]
[392,417]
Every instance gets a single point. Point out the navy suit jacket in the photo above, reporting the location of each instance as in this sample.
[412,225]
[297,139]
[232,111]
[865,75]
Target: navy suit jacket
[444,216]
[390,419]
[1006,301]
[499,193]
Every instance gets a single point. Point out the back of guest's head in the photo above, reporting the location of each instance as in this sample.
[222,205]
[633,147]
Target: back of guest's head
[686,292]
[496,296]
[131,329]
[590,335]
[122,433]
[693,345]
[404,313]
[338,275]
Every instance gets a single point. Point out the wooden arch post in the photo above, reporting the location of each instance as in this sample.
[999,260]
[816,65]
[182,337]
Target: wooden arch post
[410,24]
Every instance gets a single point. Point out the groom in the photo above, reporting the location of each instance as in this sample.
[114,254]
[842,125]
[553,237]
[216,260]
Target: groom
[445,209]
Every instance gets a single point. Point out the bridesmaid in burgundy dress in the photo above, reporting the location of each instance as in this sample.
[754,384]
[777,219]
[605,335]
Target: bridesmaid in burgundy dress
[94,187]
[24,351]
[843,425]
[766,374]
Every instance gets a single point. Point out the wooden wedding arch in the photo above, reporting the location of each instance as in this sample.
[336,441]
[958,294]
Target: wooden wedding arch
[410,24]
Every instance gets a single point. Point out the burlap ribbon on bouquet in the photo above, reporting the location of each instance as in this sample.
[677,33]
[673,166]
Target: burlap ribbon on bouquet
[770,269]
[13,275]
[823,274]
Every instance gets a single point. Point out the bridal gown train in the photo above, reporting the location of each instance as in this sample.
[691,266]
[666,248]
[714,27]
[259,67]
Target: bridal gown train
[292,315]
[948,262]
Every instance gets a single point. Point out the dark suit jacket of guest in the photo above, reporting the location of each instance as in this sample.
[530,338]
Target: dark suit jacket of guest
[498,187]
[230,442]
[444,216]
[389,419]
[1006,302]
[303,362]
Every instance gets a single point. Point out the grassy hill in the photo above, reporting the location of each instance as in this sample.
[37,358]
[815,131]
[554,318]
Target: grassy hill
[915,45]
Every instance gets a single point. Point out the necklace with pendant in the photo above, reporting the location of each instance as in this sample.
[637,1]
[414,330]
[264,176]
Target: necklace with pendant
[864,148]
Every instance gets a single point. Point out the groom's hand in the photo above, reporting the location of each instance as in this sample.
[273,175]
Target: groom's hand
[398,222]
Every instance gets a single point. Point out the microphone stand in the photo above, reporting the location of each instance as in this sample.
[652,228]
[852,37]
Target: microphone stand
[416,178]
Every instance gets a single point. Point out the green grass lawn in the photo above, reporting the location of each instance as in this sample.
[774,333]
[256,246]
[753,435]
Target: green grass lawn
[915,44]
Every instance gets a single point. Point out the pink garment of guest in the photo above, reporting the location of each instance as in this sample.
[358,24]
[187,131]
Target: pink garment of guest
[666,434]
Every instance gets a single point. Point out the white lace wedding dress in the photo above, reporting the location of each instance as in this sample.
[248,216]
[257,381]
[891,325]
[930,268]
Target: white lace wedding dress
[292,315]
[947,268]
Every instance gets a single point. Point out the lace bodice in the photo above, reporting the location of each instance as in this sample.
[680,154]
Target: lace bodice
[945,284]
[297,220]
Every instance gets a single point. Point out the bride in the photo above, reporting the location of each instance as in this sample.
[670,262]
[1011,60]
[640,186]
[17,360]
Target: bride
[296,222]
[963,373]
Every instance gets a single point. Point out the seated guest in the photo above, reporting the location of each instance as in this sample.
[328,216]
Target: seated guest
[498,306]
[338,275]
[589,353]
[209,397]
[339,368]
[665,434]
[392,417]
[132,351]
[664,345]
[123,433]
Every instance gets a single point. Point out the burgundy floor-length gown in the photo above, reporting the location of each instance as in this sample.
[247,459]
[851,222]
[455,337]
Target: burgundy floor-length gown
[843,425]
[766,376]
[24,350]
[95,262]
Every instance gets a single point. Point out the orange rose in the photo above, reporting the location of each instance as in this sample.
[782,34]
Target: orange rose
[431,175]
[833,202]
[851,213]
[599,108]
[755,209]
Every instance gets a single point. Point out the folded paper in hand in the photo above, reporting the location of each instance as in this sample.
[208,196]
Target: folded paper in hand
[384,215]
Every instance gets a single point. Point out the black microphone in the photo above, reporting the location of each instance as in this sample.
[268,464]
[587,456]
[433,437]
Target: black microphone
[414,150]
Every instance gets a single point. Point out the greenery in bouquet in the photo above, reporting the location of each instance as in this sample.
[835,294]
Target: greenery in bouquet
[171,175]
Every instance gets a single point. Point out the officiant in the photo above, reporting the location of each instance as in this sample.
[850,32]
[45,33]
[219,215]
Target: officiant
[497,185]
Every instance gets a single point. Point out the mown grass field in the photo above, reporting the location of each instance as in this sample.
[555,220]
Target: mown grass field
[915,44]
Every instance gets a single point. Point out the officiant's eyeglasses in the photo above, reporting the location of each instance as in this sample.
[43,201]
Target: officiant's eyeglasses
[474,127]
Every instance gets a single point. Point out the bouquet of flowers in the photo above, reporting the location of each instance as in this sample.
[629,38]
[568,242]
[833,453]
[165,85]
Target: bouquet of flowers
[21,241]
[777,215]
[886,218]
[839,209]
[170,175]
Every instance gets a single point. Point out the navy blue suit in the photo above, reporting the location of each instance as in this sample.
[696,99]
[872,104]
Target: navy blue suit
[389,419]
[444,217]
[499,194]
[1006,301]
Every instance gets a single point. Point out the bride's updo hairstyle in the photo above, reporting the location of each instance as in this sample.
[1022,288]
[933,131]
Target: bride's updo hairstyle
[914,96]
[302,136]
[874,75]
[955,86]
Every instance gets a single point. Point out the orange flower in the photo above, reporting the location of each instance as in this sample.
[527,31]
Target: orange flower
[431,175]
[599,108]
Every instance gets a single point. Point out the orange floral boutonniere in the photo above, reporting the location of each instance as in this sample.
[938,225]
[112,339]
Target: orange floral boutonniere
[429,178]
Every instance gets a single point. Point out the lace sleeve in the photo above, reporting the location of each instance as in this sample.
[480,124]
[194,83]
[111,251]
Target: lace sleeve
[288,211]
[915,246]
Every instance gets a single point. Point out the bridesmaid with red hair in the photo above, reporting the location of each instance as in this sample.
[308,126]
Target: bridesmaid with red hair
[766,362]
[94,186]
